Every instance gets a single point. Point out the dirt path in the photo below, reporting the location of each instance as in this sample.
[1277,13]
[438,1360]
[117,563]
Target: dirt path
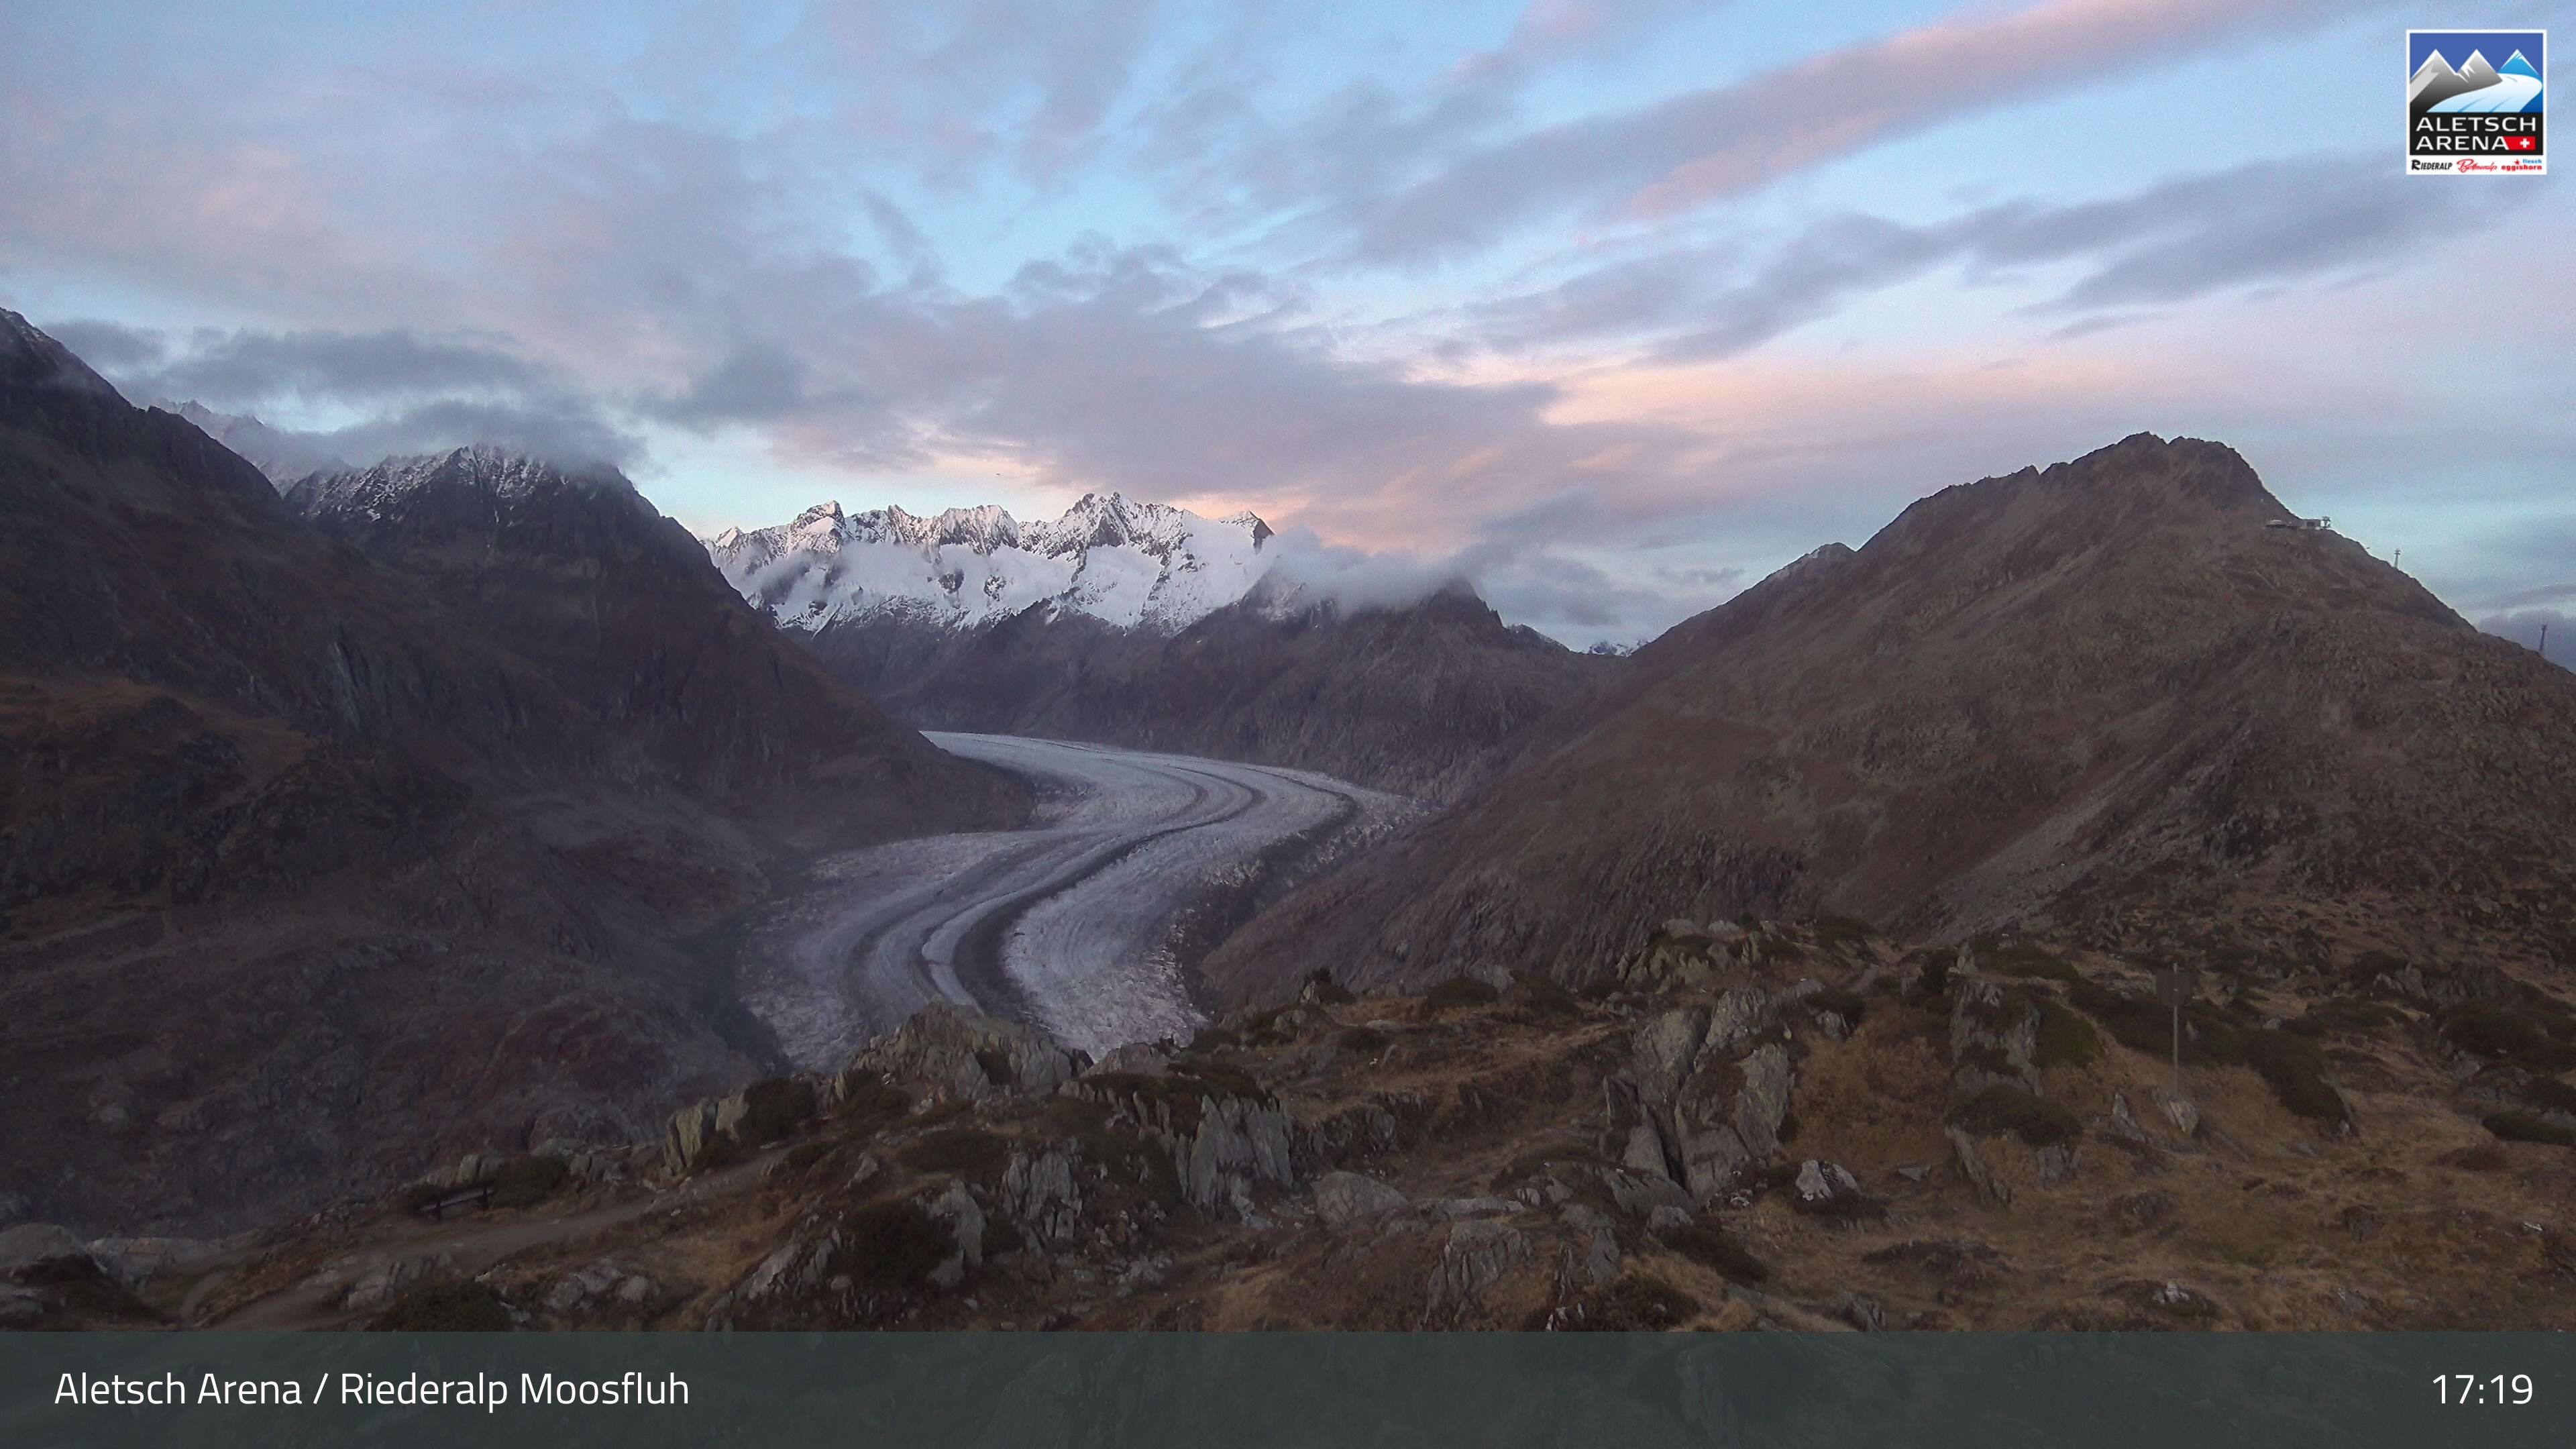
[475,1245]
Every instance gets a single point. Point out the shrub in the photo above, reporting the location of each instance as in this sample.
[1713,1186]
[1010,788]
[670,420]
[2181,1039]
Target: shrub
[1460,991]
[2027,1115]
[2491,1031]
[2327,1018]
[873,1099]
[2294,1068]
[1937,965]
[966,1151]
[1634,1304]
[2550,1094]
[1214,1039]
[527,1181]
[1849,1005]
[2146,1025]
[2518,1126]
[2022,960]
[1542,997]
[773,1108]
[1717,1250]
[458,1307]
[1843,930]
[2066,1039]
[894,1244]
[1362,1041]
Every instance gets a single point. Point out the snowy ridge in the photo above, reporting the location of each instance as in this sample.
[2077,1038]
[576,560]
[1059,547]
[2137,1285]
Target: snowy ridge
[1130,564]
[282,456]
[383,490]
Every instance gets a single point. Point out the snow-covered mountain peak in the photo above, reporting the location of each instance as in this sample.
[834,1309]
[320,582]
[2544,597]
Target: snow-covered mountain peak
[490,472]
[1131,564]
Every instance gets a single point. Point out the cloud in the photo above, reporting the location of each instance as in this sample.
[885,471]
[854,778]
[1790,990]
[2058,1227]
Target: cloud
[1684,151]
[1525,581]
[945,88]
[2523,626]
[2200,233]
[247,367]
[2525,598]
[414,394]
[110,346]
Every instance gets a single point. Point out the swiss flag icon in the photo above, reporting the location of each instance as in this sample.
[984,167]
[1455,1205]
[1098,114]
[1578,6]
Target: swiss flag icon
[2521,143]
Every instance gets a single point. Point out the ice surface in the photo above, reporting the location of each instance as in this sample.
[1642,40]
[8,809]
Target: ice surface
[1069,922]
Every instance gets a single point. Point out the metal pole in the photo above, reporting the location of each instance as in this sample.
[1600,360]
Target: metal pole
[2177,1045]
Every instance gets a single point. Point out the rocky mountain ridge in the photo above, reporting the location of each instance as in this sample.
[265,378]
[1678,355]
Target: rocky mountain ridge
[1423,699]
[2102,699]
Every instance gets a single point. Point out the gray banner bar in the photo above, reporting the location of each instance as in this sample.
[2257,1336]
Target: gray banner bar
[1138,1391]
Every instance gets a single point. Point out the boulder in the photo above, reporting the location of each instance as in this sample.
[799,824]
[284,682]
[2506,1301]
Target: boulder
[36,1243]
[2056,1163]
[1819,1182]
[685,1141]
[1240,1142]
[1135,1059]
[380,1283]
[131,1260]
[1763,1105]
[475,1168]
[1342,1198]
[1593,1254]
[956,1208]
[1478,1253]
[949,1052]
[1740,1014]
[2183,1114]
[1991,1190]
[1663,1050]
[1642,1194]
[1040,1194]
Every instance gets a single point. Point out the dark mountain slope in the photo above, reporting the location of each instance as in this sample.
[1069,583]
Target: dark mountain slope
[2104,696]
[574,572]
[306,877]
[1419,699]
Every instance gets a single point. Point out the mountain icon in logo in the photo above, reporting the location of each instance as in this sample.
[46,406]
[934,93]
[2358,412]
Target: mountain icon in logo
[2477,86]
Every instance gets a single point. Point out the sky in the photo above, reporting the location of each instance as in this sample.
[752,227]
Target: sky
[1612,307]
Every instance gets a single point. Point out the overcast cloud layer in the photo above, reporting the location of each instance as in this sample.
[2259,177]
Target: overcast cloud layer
[1612,308]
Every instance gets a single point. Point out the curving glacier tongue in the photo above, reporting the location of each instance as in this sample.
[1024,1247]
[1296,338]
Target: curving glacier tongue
[1077,924]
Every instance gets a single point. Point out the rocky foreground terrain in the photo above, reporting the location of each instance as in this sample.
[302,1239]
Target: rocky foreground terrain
[1784,1126]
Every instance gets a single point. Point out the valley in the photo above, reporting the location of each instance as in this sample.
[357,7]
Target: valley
[1079,923]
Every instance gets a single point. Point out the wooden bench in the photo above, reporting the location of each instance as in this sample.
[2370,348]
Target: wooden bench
[480,1195]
